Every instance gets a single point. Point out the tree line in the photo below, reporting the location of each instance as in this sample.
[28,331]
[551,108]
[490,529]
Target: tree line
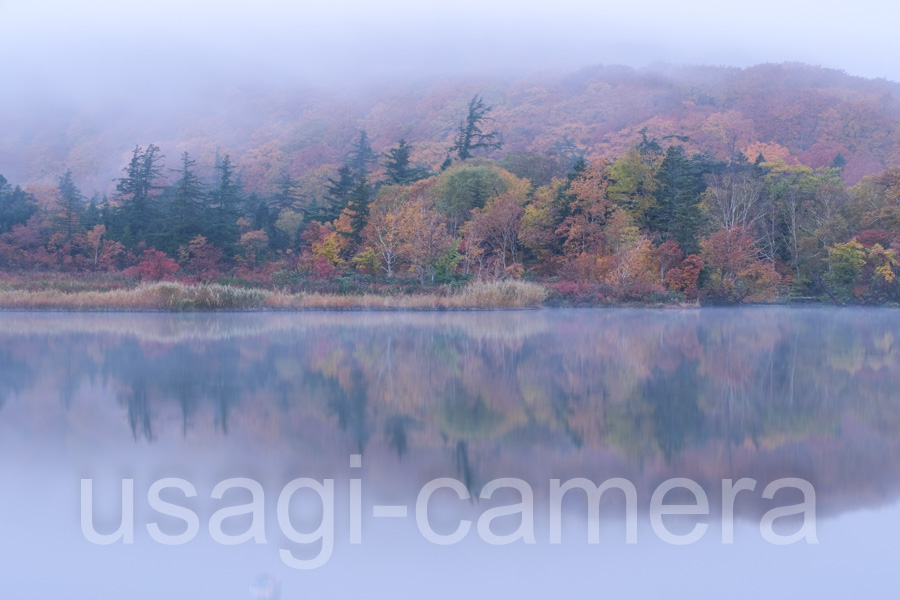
[653,223]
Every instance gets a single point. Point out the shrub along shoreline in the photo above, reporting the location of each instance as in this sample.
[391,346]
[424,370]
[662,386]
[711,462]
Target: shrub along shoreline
[178,297]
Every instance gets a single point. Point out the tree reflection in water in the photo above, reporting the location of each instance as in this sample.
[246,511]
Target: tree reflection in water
[722,391]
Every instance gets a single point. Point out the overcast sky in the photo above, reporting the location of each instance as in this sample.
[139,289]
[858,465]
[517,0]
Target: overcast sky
[97,47]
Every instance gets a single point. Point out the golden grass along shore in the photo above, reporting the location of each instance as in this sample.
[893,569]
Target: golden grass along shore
[173,296]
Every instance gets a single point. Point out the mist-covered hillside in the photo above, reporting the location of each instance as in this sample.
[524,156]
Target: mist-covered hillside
[798,113]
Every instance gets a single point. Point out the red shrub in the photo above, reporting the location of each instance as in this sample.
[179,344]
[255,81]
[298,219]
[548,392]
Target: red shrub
[154,266]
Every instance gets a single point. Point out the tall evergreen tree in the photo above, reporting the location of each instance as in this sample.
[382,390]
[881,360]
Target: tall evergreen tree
[359,201]
[138,193]
[187,203]
[91,214]
[568,151]
[225,208]
[71,206]
[262,214]
[16,206]
[676,215]
[108,214]
[286,196]
[264,218]
[397,168]
[361,157]
[337,196]
[470,137]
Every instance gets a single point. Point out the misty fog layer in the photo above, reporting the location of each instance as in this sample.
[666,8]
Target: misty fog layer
[794,112]
[142,69]
[98,49]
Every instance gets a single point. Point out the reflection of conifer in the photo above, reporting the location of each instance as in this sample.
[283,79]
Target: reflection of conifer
[139,411]
[351,409]
[395,429]
[464,467]
[678,420]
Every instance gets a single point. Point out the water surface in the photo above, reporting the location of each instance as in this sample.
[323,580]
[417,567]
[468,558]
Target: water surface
[645,395]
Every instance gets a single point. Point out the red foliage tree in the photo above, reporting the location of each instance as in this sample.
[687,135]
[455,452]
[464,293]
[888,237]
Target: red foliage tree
[870,237]
[154,266]
[684,277]
[201,258]
[737,273]
[670,256]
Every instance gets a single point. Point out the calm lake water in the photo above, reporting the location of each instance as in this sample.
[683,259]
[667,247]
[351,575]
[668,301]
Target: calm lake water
[640,395]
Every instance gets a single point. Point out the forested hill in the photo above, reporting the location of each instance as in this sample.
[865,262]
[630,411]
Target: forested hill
[797,113]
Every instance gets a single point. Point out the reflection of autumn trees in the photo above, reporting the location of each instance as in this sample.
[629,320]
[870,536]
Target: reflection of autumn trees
[656,386]
[349,403]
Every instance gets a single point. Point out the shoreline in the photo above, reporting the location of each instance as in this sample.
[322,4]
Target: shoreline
[178,297]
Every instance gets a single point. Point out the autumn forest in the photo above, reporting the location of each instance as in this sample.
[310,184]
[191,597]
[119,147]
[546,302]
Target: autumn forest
[609,185]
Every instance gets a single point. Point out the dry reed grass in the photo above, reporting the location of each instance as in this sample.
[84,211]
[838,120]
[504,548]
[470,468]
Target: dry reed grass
[172,296]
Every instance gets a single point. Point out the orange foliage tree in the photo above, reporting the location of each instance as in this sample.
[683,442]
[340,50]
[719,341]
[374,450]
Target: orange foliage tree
[736,273]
